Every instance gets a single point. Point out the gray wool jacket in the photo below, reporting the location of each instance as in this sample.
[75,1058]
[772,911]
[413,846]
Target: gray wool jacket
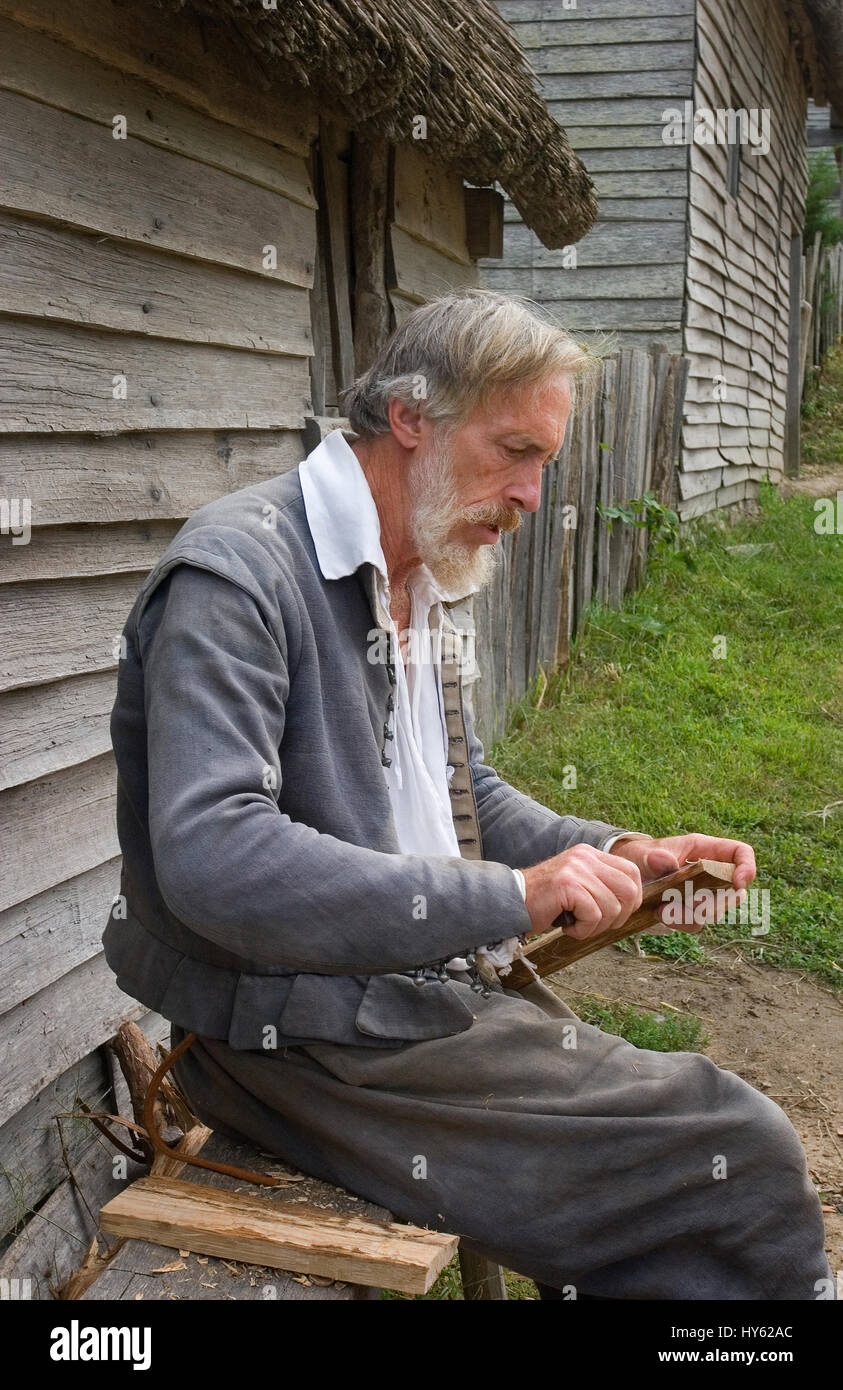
[264,899]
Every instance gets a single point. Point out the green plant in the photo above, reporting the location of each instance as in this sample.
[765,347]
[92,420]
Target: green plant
[823,180]
[646,511]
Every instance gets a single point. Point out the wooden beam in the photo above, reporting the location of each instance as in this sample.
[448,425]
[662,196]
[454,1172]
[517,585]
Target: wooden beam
[240,1226]
[334,201]
[369,210]
[318,427]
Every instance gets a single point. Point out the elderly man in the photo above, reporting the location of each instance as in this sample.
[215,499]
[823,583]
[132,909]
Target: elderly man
[317,861]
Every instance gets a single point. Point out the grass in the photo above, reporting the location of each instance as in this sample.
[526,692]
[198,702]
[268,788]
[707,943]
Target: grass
[661,1032]
[822,414]
[449,1285]
[668,737]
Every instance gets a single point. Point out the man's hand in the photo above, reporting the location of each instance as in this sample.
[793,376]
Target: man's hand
[656,858]
[600,889]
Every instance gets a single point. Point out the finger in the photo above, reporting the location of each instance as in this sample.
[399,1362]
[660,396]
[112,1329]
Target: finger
[745,867]
[615,895]
[659,863]
[586,909]
[623,876]
[659,929]
[732,851]
[626,887]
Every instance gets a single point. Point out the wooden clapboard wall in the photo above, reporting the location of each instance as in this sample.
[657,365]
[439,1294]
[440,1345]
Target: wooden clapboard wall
[608,69]
[427,254]
[739,298]
[674,256]
[142,259]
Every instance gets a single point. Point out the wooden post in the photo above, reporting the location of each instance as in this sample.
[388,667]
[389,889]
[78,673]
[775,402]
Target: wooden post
[794,377]
[320,324]
[333,196]
[369,207]
[481,1278]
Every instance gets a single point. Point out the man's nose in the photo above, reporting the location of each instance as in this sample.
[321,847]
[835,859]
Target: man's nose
[525,491]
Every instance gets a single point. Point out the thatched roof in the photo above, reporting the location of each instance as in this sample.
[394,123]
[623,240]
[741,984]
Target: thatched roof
[819,25]
[379,64]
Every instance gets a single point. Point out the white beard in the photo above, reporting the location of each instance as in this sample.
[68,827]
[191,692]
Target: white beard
[456,566]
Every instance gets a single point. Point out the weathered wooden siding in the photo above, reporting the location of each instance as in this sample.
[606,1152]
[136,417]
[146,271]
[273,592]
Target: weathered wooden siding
[427,253]
[674,256]
[738,286]
[142,259]
[608,70]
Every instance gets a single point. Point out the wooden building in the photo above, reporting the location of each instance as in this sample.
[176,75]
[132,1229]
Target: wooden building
[697,245]
[211,214]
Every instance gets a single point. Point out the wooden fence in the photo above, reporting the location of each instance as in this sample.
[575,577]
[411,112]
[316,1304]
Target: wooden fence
[822,305]
[622,442]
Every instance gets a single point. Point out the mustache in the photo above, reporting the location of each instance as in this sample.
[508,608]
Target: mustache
[504,518]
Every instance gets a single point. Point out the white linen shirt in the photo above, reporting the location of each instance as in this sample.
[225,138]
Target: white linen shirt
[345,527]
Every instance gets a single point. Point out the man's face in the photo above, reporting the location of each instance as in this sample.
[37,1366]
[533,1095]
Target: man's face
[469,484]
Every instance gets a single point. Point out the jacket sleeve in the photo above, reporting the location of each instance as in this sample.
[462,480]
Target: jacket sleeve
[228,862]
[518,831]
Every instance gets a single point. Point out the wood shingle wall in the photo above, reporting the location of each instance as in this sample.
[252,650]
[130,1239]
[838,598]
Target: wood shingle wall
[739,289]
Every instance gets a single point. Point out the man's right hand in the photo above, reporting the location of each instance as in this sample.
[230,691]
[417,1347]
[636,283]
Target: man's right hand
[601,890]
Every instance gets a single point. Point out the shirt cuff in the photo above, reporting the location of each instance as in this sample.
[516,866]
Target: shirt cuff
[625,835]
[522,883]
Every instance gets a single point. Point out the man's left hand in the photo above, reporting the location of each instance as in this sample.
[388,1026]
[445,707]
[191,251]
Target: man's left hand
[657,858]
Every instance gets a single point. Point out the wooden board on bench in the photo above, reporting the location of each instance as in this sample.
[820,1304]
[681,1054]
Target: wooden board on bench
[145,1269]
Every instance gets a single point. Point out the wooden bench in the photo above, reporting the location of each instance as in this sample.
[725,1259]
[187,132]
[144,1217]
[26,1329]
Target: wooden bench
[169,1229]
[384,1253]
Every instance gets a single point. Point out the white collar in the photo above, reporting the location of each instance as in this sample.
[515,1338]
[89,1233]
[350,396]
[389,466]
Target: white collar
[341,511]
[344,521]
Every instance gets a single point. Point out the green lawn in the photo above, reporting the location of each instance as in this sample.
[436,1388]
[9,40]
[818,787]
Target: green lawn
[667,737]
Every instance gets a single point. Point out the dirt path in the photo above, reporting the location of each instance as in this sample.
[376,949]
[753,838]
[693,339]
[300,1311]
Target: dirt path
[817,481]
[779,1030]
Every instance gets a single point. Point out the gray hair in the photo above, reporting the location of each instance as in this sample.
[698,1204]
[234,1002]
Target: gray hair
[451,355]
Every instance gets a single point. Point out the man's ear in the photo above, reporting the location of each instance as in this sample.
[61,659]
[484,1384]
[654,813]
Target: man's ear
[407,423]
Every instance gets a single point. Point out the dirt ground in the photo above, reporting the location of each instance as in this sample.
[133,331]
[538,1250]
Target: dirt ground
[778,1029]
[818,480]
